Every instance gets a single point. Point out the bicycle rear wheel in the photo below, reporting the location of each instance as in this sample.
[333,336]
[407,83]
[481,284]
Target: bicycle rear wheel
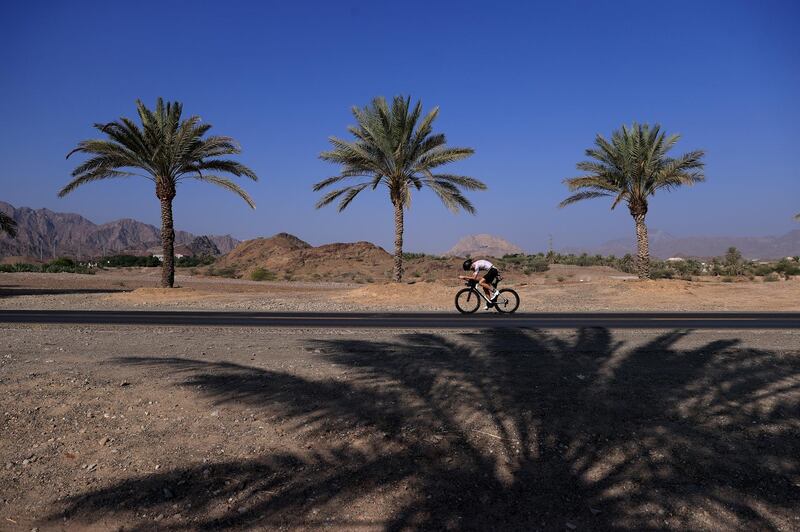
[507,302]
[467,300]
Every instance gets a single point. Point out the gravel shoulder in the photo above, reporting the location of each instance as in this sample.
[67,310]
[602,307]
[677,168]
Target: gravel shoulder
[563,289]
[136,428]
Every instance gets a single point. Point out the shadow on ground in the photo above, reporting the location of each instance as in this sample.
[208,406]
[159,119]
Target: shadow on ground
[12,291]
[508,429]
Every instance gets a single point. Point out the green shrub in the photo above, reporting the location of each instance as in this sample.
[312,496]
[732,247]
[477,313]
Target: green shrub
[261,274]
[22,267]
[62,262]
[662,273]
[771,277]
[191,262]
[230,273]
[129,261]
[56,266]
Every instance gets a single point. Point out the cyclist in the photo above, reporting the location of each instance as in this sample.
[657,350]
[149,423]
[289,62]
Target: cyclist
[486,281]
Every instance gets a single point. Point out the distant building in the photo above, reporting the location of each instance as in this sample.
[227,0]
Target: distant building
[181,251]
[676,259]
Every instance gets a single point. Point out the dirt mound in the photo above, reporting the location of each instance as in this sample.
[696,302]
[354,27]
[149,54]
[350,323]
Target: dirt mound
[262,252]
[289,257]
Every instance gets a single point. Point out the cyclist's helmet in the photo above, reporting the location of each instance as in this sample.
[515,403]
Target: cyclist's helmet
[467,264]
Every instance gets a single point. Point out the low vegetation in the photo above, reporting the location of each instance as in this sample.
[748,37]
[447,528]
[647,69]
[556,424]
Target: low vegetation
[61,265]
[261,274]
[134,261]
[730,266]
[129,261]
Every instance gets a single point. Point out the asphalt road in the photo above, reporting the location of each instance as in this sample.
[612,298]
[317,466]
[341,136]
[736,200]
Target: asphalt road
[437,320]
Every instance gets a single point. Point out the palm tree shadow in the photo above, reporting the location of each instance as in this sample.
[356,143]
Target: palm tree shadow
[506,429]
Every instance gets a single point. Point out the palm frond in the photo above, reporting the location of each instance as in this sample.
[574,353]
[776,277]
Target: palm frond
[331,196]
[582,196]
[469,183]
[450,196]
[95,175]
[226,184]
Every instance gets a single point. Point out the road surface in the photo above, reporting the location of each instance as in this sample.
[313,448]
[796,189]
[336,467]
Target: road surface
[434,320]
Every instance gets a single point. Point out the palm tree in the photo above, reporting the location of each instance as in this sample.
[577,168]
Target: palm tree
[166,151]
[394,148]
[8,225]
[631,168]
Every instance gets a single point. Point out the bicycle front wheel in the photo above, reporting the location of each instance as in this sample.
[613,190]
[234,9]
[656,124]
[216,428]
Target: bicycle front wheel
[467,300]
[507,302]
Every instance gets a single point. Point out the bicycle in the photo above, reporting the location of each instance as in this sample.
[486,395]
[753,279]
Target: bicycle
[468,300]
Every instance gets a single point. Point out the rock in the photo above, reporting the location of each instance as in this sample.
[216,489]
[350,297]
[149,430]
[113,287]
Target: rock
[167,493]
[595,511]
[104,441]
[571,526]
[124,383]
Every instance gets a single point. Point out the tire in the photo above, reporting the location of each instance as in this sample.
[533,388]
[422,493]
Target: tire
[467,300]
[507,302]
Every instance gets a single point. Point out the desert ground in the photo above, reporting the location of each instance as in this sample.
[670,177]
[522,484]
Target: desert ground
[563,288]
[187,428]
[128,428]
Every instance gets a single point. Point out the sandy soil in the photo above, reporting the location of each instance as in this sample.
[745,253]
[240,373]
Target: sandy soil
[562,289]
[127,428]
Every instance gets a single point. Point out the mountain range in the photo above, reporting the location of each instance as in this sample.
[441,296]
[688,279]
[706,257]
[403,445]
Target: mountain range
[664,245]
[44,234]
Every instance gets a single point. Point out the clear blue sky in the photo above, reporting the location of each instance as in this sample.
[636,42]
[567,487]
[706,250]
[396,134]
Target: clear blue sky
[527,84]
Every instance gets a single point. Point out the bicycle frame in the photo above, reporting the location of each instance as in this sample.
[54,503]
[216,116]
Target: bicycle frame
[478,288]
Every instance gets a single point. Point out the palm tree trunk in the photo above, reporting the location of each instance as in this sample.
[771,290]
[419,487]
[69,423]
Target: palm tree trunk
[642,247]
[168,244]
[398,242]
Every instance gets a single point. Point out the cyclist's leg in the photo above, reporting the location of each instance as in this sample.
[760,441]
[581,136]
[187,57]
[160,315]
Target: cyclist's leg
[487,288]
[487,280]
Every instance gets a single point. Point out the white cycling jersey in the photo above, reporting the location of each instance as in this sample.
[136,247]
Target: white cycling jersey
[482,264]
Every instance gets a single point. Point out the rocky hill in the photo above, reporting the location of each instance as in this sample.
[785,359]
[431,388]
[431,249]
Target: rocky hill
[289,257]
[483,246]
[45,234]
[203,245]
